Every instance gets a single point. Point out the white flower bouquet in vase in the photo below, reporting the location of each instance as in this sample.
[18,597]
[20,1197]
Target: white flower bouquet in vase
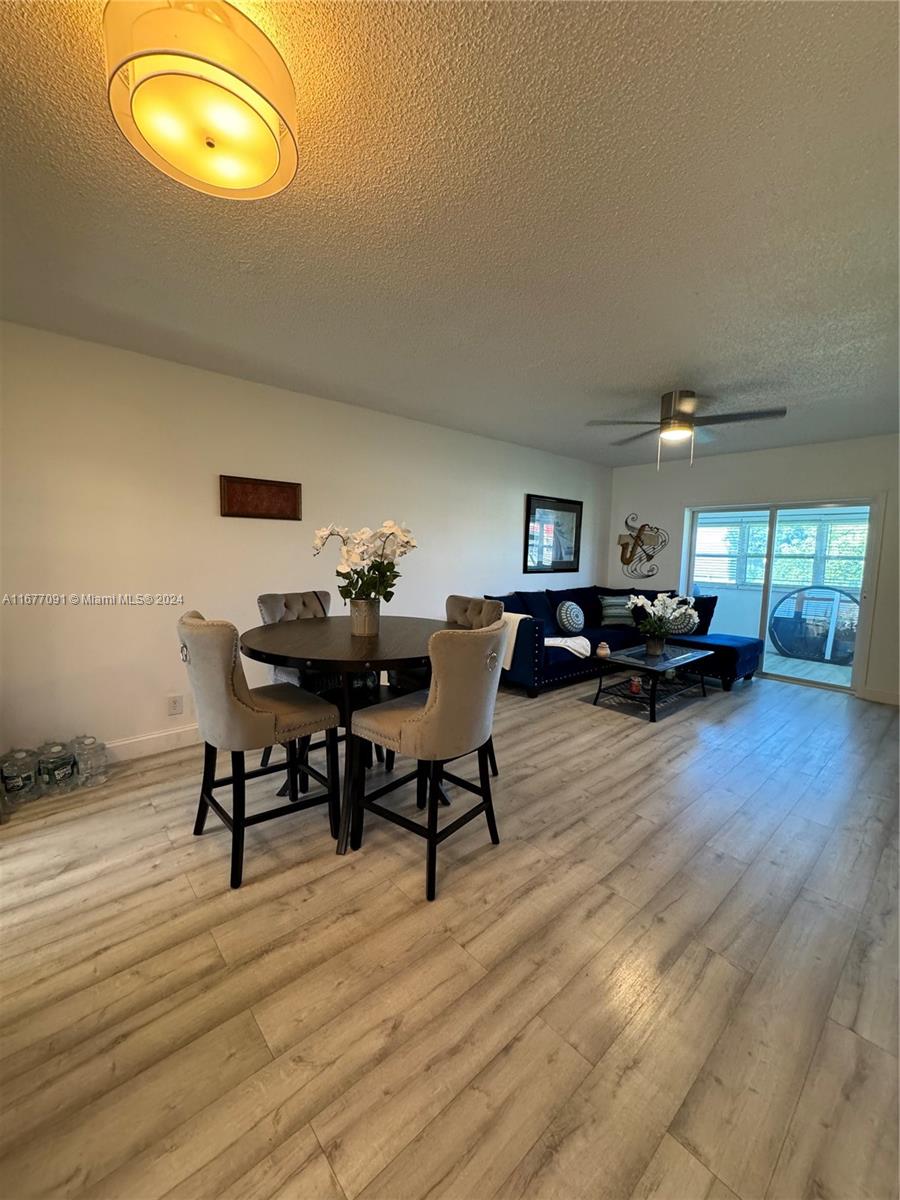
[367,568]
[664,615]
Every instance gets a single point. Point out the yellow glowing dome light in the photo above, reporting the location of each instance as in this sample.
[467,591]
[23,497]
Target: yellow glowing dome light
[202,94]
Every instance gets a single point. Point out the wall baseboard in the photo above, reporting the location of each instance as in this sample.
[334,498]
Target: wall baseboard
[878,697]
[143,744]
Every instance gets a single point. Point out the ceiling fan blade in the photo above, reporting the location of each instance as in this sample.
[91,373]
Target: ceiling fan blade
[635,437]
[758,414]
[587,423]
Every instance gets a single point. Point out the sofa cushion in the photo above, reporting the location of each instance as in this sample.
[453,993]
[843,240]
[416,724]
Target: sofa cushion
[512,603]
[617,637]
[705,606]
[587,599]
[539,605]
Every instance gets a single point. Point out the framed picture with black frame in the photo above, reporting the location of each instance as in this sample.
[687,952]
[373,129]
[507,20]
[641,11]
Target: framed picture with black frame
[552,535]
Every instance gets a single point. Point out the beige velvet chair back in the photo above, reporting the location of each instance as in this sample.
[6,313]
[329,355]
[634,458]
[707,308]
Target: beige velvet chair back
[459,713]
[226,715]
[292,606]
[474,612]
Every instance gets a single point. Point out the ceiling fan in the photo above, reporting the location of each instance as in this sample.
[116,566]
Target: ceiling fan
[678,420]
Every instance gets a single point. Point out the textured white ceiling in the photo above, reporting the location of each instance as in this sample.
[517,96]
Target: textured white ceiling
[509,218]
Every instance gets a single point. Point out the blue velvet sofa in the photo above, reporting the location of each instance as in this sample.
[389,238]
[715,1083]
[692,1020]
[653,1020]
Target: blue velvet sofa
[536,667]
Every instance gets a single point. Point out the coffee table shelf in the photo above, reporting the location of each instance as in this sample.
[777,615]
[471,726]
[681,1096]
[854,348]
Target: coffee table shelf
[656,688]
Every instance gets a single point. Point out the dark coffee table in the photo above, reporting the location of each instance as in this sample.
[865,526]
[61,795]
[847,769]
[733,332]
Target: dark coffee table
[652,668]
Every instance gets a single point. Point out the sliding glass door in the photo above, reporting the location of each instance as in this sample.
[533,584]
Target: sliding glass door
[816,581]
[791,575]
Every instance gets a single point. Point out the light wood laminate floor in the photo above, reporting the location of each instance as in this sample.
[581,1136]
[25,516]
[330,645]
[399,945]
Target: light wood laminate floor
[675,978]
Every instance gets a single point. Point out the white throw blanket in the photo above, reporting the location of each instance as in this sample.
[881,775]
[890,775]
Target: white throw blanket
[511,621]
[575,645]
[578,646]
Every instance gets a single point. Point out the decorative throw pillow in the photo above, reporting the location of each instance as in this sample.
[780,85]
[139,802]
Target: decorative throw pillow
[705,606]
[616,610]
[569,617]
[681,622]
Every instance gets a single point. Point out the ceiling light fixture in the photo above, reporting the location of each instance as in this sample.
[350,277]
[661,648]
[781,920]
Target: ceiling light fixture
[202,94]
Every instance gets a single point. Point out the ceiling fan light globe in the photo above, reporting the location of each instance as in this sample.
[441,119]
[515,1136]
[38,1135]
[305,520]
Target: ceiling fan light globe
[676,431]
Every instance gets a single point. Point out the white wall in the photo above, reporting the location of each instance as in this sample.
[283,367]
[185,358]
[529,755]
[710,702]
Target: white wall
[865,468]
[110,466]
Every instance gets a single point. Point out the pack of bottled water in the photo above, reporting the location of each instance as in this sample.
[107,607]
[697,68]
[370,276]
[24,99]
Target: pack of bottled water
[54,768]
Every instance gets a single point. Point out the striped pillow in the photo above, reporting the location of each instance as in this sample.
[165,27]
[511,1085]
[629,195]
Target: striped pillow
[616,611]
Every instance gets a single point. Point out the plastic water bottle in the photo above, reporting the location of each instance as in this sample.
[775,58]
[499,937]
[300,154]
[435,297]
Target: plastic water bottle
[19,772]
[90,757]
[56,767]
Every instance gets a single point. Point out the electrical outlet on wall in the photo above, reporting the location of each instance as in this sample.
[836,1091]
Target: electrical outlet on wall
[175,706]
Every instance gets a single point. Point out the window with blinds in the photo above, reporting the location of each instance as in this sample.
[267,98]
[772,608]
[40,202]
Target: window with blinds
[730,549]
[824,547]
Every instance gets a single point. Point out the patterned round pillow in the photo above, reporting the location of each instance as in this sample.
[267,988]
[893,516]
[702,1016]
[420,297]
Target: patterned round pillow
[569,617]
[683,620]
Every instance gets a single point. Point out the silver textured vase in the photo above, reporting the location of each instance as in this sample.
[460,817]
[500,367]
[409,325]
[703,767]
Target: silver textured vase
[655,646]
[364,617]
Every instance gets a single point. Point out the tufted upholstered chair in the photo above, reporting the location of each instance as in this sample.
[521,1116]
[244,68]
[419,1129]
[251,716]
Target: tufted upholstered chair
[453,718]
[234,717]
[471,612]
[296,606]
[292,606]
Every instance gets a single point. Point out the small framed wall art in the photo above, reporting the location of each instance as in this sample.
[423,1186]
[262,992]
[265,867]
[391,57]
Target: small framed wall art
[265,499]
[552,534]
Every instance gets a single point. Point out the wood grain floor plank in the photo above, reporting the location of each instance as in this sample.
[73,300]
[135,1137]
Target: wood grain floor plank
[94,1140]
[867,995]
[42,1035]
[87,1070]
[743,926]
[380,1115]
[846,868]
[598,1002]
[205,1154]
[736,1114]
[673,1174]
[479,1138]
[603,1139]
[664,853]
[295,1168]
[842,1141]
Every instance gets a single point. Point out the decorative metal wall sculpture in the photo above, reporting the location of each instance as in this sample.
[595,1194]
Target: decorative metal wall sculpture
[639,546]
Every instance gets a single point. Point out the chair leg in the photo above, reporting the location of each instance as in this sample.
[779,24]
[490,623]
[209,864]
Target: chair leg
[303,758]
[484,773]
[421,784]
[388,760]
[292,764]
[379,753]
[209,777]
[367,755]
[334,780]
[357,795]
[238,790]
[266,755]
[431,863]
[492,757]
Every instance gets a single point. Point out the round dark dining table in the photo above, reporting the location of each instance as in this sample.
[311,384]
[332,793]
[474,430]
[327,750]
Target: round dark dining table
[327,643]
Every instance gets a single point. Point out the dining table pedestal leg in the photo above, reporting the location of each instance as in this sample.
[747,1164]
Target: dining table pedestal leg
[343,841]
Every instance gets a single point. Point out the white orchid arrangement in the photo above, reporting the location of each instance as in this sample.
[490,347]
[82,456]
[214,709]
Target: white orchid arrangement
[661,613]
[368,559]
